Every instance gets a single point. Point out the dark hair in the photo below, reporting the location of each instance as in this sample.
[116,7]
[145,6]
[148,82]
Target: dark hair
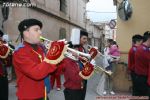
[110,41]
[114,43]
[1,33]
[83,33]
[137,38]
[146,36]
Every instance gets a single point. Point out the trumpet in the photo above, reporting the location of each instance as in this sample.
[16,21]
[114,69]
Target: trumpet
[5,51]
[99,69]
[69,54]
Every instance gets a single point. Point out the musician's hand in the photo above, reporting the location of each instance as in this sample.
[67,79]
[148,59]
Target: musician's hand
[87,71]
[56,51]
[84,60]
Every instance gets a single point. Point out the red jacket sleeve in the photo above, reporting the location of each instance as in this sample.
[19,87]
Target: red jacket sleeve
[130,59]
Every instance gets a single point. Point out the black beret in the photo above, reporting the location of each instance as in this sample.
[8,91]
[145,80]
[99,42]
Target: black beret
[26,23]
[1,33]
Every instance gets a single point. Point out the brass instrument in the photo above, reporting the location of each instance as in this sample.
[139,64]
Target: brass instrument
[99,69]
[89,47]
[69,54]
[4,50]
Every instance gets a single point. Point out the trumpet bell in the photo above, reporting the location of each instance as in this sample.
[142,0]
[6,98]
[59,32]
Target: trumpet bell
[99,69]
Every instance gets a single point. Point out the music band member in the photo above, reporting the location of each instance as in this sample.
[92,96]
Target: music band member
[31,65]
[136,41]
[83,41]
[142,67]
[74,76]
[76,73]
[4,55]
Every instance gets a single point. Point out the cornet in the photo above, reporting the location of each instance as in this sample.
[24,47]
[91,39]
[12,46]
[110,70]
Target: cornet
[69,54]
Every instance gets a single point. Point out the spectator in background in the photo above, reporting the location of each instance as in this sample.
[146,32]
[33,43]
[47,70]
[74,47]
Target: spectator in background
[113,57]
[114,50]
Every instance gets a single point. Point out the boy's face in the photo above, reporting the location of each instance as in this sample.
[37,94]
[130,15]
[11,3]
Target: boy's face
[32,34]
[83,40]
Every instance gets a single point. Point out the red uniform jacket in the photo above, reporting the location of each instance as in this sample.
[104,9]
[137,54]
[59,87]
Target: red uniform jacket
[30,72]
[5,62]
[1,69]
[71,73]
[81,49]
[142,59]
[131,59]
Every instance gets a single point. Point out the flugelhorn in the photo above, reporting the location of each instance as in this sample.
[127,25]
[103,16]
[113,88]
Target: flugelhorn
[68,54]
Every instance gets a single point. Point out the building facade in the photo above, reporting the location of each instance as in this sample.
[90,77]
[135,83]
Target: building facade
[99,32]
[58,17]
[137,24]
[96,34]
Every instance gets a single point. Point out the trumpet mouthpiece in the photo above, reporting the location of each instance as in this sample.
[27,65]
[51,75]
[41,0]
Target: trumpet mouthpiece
[42,38]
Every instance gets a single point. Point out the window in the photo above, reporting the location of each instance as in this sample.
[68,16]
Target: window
[62,33]
[63,6]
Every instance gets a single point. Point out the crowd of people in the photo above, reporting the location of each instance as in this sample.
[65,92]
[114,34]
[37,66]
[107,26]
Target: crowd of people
[138,64]
[33,65]
[38,67]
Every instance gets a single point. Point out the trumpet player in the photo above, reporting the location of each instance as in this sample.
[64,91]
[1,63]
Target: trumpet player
[32,67]
[80,47]
[4,58]
[76,73]
[74,77]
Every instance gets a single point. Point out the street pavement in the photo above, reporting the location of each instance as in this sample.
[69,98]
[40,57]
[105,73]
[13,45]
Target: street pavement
[58,95]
